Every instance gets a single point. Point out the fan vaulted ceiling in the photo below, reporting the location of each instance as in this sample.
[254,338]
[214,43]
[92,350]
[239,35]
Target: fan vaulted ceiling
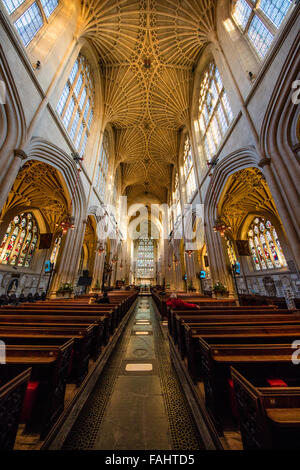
[147,50]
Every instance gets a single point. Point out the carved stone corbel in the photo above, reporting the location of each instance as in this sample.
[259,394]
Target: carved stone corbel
[264,161]
[20,154]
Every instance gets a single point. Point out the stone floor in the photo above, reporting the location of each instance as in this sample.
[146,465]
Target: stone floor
[137,403]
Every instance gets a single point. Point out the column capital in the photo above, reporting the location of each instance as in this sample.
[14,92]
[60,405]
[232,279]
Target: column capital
[20,154]
[264,162]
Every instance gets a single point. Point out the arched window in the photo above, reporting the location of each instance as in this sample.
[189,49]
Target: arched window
[75,106]
[264,245]
[230,251]
[55,249]
[215,113]
[29,16]
[145,261]
[101,177]
[259,21]
[20,241]
[189,171]
[176,199]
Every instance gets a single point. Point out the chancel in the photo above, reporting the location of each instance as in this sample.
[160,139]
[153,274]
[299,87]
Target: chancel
[149,226]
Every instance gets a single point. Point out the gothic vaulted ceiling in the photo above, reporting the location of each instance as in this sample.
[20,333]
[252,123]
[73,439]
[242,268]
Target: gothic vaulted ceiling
[147,50]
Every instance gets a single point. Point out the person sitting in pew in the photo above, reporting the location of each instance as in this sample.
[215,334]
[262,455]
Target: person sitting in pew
[36,296]
[22,298]
[174,302]
[13,300]
[30,298]
[103,300]
[4,300]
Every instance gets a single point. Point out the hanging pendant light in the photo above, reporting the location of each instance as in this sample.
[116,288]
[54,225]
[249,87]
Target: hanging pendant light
[100,249]
[220,226]
[67,224]
[189,252]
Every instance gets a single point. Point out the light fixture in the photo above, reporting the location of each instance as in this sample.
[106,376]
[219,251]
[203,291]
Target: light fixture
[100,249]
[67,224]
[189,252]
[220,226]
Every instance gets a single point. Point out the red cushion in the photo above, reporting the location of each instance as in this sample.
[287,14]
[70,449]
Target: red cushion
[277,383]
[29,400]
[232,400]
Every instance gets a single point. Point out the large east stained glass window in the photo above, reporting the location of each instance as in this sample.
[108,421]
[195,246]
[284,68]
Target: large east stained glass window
[145,258]
[20,241]
[189,170]
[215,113]
[75,106]
[265,246]
[29,16]
[259,20]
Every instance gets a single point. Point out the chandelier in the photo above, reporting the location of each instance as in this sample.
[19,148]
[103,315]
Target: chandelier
[220,226]
[67,224]
[114,260]
[100,249]
[189,252]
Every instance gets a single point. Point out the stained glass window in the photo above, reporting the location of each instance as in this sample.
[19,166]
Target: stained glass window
[101,177]
[231,251]
[20,241]
[189,171]
[259,20]
[176,199]
[75,106]
[215,113]
[29,21]
[264,245]
[55,249]
[145,258]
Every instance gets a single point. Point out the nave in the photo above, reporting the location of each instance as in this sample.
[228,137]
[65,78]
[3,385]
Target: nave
[137,404]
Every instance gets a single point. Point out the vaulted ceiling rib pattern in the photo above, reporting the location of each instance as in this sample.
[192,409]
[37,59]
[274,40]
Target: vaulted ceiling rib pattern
[147,105]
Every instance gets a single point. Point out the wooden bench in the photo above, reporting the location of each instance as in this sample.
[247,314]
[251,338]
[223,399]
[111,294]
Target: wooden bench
[13,384]
[249,318]
[269,417]
[50,366]
[103,330]
[216,310]
[232,333]
[109,312]
[216,360]
[55,335]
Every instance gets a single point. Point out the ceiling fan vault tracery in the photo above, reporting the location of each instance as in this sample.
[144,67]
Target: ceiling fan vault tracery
[147,50]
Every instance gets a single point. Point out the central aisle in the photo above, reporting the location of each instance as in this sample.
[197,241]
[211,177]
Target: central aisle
[137,403]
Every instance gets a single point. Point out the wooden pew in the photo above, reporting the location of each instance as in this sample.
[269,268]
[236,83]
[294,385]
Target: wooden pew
[217,310]
[216,361]
[57,335]
[106,311]
[269,417]
[246,317]
[13,384]
[50,366]
[62,317]
[233,333]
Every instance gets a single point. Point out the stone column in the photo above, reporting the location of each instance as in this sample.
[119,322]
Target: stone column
[11,174]
[68,266]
